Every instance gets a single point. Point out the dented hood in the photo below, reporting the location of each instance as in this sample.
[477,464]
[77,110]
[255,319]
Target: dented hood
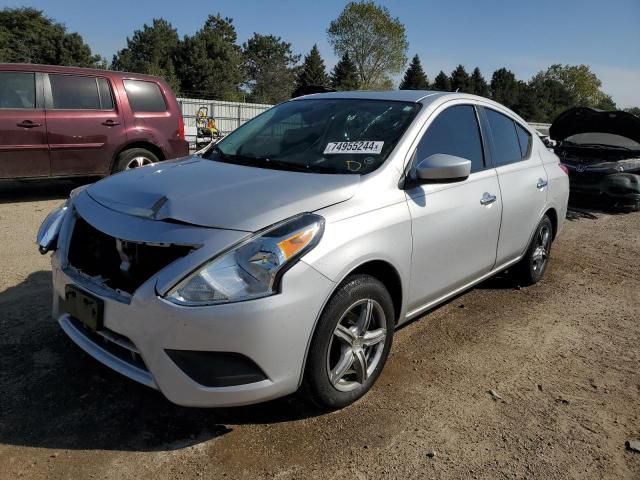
[588,120]
[220,195]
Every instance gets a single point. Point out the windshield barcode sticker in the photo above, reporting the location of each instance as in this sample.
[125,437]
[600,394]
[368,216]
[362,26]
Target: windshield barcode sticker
[363,146]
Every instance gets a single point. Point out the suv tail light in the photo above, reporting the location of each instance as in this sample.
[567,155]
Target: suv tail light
[180,127]
[564,168]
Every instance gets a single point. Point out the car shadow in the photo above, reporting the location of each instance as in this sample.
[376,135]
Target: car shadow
[33,190]
[56,396]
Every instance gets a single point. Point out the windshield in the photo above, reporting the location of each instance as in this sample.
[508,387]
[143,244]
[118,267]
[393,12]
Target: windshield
[319,135]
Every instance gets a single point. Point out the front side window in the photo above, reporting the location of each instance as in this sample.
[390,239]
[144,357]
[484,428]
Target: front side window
[319,135]
[144,96]
[455,131]
[505,139]
[70,92]
[17,90]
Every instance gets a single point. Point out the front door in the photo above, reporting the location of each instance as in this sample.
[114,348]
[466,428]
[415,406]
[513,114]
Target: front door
[24,151]
[456,225]
[84,125]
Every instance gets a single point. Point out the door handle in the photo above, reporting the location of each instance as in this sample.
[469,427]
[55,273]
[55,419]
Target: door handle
[541,183]
[487,199]
[110,123]
[29,124]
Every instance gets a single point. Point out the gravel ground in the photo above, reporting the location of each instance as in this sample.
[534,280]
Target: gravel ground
[562,359]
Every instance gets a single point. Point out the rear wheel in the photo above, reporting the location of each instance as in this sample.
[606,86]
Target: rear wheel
[533,265]
[134,158]
[351,343]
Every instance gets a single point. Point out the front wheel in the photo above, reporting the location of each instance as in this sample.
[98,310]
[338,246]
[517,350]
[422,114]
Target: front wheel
[351,343]
[534,263]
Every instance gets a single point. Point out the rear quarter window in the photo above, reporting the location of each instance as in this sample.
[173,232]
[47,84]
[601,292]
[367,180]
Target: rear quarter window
[524,138]
[144,96]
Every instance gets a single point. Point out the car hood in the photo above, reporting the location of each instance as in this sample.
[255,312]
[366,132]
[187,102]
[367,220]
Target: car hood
[588,120]
[220,195]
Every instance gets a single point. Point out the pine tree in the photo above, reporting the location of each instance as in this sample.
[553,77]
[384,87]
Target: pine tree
[414,77]
[460,81]
[442,82]
[344,75]
[312,72]
[479,85]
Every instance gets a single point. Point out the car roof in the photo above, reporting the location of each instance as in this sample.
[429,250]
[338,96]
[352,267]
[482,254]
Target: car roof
[396,95]
[36,67]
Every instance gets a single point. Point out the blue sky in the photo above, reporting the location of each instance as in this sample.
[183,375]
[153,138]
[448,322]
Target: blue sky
[523,36]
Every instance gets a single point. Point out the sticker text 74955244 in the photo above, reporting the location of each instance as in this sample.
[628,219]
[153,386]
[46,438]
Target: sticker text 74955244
[362,146]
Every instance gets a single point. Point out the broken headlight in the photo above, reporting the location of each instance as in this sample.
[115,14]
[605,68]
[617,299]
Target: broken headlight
[253,268]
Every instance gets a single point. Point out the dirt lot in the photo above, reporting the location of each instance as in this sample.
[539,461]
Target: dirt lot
[564,356]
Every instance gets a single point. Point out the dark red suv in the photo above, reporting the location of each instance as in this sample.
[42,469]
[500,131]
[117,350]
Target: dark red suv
[67,121]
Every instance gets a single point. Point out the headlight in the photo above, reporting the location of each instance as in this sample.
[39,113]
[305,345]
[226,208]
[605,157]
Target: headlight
[253,268]
[47,237]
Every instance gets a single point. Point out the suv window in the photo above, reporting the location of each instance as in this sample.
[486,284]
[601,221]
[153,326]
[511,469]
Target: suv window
[505,139]
[454,132]
[17,90]
[144,96]
[106,99]
[71,92]
[525,140]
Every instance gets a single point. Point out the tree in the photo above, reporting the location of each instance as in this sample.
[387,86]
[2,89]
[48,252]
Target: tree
[28,36]
[375,42]
[442,82]
[313,72]
[151,50]
[271,68]
[414,77]
[344,75]
[504,87]
[478,85]
[460,81]
[209,63]
[582,84]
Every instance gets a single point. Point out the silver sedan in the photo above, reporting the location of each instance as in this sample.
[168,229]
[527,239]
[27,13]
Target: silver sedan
[283,258]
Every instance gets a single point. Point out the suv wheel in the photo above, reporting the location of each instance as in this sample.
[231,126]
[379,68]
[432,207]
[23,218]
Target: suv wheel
[351,343]
[134,158]
[534,263]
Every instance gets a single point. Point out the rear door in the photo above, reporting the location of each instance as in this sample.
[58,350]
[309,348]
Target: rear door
[24,151]
[84,124]
[523,182]
[455,225]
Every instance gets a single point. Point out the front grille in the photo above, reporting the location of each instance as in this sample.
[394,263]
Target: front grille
[114,343]
[118,264]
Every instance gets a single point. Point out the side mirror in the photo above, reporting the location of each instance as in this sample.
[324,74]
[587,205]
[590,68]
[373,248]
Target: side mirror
[442,167]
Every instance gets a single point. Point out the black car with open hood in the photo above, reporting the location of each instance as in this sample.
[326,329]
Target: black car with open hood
[601,150]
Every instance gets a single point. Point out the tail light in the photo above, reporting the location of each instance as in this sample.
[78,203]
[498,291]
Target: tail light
[180,127]
[564,168]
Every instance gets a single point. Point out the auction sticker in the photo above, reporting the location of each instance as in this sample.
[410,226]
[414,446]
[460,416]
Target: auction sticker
[362,146]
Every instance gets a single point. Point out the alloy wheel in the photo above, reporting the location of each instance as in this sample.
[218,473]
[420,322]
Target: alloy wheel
[137,162]
[541,251]
[357,344]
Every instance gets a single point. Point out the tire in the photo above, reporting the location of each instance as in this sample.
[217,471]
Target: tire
[531,268]
[347,347]
[134,158]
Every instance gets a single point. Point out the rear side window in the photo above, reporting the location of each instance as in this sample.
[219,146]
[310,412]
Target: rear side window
[70,92]
[524,138]
[454,132]
[106,99]
[505,139]
[17,90]
[144,96]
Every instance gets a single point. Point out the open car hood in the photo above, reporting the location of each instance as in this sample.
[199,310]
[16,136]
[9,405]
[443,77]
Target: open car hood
[220,195]
[588,120]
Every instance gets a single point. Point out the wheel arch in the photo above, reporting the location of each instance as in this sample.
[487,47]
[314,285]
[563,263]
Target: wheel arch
[553,216]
